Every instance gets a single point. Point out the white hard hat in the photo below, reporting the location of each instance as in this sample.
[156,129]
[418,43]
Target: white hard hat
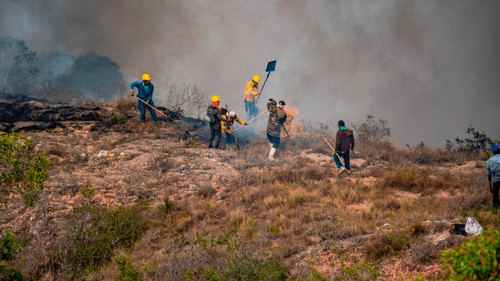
[232,114]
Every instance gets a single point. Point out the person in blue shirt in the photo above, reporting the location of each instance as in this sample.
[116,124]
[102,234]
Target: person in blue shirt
[144,92]
[493,173]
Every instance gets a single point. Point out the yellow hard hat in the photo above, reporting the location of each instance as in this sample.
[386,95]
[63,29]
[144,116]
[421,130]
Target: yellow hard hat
[256,78]
[146,77]
[215,98]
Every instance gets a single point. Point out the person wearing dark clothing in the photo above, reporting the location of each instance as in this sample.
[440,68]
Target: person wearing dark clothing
[344,141]
[493,173]
[277,117]
[145,93]
[214,118]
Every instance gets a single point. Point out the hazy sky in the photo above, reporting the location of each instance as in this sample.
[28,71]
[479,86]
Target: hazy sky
[428,67]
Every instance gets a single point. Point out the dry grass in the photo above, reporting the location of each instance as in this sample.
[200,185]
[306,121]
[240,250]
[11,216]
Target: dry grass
[386,243]
[419,181]
[386,151]
[290,209]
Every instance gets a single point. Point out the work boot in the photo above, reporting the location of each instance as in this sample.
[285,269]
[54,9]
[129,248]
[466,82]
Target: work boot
[343,169]
[271,153]
[210,146]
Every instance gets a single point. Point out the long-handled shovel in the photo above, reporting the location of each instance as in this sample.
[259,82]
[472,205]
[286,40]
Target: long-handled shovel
[251,120]
[271,66]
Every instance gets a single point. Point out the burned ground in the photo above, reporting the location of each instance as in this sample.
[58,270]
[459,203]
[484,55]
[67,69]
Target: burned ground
[202,210]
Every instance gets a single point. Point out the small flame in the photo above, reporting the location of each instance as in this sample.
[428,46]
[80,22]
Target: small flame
[291,121]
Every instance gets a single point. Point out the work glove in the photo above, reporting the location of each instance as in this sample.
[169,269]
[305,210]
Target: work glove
[227,131]
[271,104]
[245,123]
[131,93]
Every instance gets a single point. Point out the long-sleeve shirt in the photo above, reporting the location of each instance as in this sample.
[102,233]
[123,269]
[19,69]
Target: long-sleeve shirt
[227,122]
[251,91]
[143,92]
[344,140]
[493,168]
[277,116]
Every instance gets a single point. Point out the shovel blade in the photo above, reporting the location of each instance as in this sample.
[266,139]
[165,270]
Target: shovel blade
[271,66]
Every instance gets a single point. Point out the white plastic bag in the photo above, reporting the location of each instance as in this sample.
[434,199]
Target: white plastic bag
[472,227]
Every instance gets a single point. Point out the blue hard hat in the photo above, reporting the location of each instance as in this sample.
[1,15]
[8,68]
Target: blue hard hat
[494,148]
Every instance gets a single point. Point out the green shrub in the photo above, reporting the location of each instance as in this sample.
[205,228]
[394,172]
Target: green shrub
[87,191]
[21,169]
[127,270]
[315,276]
[118,116]
[478,259]
[210,275]
[255,269]
[96,231]
[13,274]
[9,245]
[360,271]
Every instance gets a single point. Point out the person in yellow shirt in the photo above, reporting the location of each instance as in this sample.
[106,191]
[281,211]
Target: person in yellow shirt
[251,96]
[227,122]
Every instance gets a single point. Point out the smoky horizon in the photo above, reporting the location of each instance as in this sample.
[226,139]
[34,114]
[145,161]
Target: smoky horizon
[430,68]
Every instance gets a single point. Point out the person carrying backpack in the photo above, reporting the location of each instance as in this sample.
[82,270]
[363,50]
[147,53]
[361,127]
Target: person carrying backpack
[343,142]
[214,118]
[493,173]
[277,116]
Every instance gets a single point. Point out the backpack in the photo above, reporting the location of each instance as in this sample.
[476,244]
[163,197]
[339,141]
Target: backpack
[210,118]
[281,115]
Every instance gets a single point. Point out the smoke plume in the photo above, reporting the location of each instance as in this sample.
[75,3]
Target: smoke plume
[428,67]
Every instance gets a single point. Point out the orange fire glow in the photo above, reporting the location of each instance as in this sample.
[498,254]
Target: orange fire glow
[291,122]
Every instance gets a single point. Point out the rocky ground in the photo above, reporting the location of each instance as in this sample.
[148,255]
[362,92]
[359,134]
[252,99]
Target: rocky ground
[105,148]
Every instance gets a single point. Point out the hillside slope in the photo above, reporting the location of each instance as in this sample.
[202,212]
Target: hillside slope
[221,212]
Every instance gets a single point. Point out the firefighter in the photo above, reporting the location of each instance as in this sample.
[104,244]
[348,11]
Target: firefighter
[227,122]
[251,96]
[214,118]
[277,117]
[145,91]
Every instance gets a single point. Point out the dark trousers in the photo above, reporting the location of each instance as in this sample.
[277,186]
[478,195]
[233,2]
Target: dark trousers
[274,140]
[345,156]
[230,138]
[215,134]
[142,110]
[495,188]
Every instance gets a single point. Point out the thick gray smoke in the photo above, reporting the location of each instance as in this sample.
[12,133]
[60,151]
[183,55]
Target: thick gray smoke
[428,67]
[57,76]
